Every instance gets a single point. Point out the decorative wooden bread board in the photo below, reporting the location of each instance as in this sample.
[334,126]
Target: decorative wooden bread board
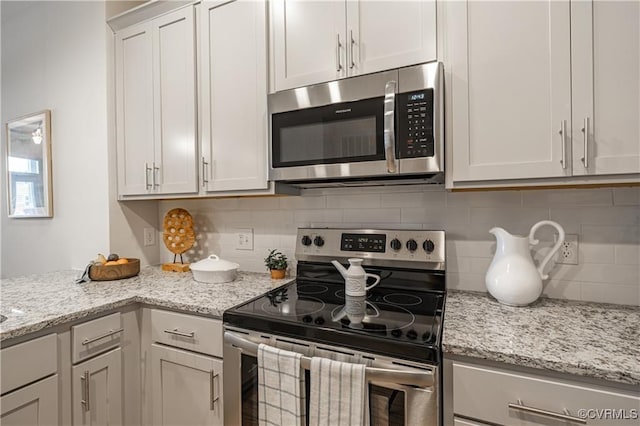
[178,237]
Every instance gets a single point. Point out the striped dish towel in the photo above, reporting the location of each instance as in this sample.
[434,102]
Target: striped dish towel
[338,393]
[281,390]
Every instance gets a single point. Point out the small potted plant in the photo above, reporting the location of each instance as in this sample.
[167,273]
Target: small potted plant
[276,262]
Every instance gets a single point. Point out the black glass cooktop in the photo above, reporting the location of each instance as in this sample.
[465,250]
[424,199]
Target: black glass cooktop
[401,317]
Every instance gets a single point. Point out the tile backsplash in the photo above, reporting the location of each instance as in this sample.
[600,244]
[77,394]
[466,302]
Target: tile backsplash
[607,222]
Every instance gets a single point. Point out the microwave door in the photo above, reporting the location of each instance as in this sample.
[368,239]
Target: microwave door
[343,140]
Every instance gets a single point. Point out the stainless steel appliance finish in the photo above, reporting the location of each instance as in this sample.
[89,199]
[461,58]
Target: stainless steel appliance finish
[393,158]
[417,384]
[417,249]
[395,329]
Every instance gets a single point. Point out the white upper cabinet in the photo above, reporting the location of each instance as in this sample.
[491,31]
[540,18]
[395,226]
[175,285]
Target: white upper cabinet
[134,112]
[382,35]
[606,87]
[542,89]
[233,95]
[511,89]
[156,104]
[317,41]
[175,107]
[308,42]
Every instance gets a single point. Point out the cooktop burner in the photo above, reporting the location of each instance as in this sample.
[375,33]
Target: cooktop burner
[386,321]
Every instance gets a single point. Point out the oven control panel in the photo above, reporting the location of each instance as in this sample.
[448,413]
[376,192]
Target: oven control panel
[419,248]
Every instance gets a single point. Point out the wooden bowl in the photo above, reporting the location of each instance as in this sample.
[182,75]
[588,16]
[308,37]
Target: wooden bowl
[115,272]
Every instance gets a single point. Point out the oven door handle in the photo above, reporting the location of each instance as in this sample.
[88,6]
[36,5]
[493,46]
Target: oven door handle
[422,379]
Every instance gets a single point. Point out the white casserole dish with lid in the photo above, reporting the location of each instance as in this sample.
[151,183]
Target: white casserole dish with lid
[214,270]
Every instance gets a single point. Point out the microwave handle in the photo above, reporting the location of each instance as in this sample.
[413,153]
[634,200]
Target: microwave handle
[390,126]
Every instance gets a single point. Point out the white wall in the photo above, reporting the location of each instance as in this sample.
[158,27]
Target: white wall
[56,55]
[53,57]
[607,222]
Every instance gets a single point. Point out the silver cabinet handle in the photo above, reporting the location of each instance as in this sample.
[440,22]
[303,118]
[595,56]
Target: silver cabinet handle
[180,333]
[212,392]
[338,46]
[389,126]
[204,173]
[155,169]
[552,414]
[563,132]
[352,42]
[85,384]
[585,131]
[146,175]
[102,336]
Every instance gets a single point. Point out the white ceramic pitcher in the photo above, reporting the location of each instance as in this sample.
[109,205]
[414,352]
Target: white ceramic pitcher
[355,278]
[512,277]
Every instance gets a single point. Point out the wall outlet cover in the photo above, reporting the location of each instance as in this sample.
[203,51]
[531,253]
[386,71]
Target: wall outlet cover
[568,253]
[244,239]
[149,236]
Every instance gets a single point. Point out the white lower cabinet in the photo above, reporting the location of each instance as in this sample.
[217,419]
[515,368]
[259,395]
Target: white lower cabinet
[186,387]
[505,397]
[97,390]
[32,405]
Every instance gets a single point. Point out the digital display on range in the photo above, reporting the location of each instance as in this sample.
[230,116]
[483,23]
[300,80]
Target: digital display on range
[372,243]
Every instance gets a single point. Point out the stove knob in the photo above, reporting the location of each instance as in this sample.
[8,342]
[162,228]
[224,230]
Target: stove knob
[428,246]
[306,240]
[396,244]
[307,318]
[412,245]
[412,334]
[396,332]
[319,241]
[319,321]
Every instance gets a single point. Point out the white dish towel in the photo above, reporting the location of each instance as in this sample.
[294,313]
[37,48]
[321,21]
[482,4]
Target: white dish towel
[281,390]
[338,393]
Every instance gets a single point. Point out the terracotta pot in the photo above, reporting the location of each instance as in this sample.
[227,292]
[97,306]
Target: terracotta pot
[278,274]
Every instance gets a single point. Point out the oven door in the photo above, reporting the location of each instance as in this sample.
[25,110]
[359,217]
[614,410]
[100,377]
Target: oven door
[389,403]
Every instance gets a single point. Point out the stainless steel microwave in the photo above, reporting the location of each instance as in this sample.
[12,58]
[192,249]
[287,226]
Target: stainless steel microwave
[386,126]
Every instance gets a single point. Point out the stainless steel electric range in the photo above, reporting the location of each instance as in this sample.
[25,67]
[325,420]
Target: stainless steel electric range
[395,330]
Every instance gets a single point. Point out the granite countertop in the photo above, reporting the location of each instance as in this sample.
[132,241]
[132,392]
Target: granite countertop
[586,339]
[35,302]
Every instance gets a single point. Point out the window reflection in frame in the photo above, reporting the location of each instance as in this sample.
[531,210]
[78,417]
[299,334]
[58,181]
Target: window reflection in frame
[29,186]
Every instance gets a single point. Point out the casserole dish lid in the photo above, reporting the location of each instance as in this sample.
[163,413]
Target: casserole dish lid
[214,263]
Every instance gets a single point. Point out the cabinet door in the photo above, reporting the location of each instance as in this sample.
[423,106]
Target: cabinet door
[308,42]
[134,109]
[234,95]
[97,390]
[186,388]
[175,167]
[606,87]
[32,405]
[382,35]
[511,89]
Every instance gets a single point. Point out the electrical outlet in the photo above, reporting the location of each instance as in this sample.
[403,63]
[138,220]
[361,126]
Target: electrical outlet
[568,253]
[149,236]
[244,239]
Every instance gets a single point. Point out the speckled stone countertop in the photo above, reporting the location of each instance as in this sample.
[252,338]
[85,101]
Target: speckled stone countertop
[35,302]
[587,339]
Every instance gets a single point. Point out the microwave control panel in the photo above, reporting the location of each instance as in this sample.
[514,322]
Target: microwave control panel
[414,112]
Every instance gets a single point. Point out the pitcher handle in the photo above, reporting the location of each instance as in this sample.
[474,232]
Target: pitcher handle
[556,247]
[374,284]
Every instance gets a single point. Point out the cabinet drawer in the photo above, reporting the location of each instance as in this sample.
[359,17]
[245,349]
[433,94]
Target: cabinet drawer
[97,336]
[27,362]
[485,394]
[196,334]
